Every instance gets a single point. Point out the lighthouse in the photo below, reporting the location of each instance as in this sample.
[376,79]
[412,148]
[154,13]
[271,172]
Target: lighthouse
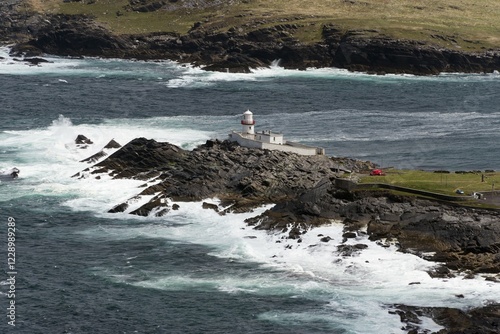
[247,123]
[268,140]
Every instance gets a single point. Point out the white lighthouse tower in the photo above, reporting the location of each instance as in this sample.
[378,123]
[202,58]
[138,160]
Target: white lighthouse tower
[248,123]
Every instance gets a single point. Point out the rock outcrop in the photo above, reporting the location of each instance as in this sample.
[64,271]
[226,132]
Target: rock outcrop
[241,176]
[305,193]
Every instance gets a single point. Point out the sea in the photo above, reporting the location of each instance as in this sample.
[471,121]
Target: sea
[69,266]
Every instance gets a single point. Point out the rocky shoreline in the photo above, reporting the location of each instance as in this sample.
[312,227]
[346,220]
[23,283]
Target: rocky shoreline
[462,241]
[235,51]
[305,192]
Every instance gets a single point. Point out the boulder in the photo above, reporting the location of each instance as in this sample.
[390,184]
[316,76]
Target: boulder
[82,140]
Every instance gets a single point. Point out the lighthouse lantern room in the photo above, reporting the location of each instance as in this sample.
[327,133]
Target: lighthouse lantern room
[248,123]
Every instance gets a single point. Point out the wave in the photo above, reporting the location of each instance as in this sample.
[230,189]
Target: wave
[48,156]
[87,67]
[365,282]
[177,75]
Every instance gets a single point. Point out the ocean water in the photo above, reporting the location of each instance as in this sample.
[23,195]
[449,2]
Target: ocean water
[80,269]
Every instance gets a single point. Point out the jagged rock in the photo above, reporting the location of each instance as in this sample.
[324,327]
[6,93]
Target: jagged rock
[112,144]
[34,61]
[101,154]
[210,206]
[119,208]
[82,140]
[351,250]
[483,320]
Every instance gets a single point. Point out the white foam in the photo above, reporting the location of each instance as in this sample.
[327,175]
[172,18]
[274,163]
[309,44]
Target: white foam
[48,157]
[93,67]
[195,77]
[187,76]
[363,285]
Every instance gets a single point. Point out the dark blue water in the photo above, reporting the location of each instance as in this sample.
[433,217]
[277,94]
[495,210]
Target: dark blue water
[58,290]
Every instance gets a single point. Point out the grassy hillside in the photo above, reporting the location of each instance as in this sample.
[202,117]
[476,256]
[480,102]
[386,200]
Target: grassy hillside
[462,24]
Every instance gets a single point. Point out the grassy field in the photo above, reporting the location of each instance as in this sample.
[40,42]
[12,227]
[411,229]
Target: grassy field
[438,182]
[463,24]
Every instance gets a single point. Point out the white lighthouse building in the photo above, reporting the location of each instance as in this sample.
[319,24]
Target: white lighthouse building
[267,139]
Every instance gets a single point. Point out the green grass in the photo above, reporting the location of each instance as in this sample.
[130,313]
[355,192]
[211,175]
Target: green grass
[437,182]
[462,24]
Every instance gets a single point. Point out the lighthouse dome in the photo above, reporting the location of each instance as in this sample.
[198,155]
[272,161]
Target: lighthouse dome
[248,112]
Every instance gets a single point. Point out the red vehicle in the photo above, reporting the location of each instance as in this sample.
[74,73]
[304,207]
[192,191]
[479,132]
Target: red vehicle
[377,172]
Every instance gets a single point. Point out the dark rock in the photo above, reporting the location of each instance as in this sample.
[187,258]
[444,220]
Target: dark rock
[35,61]
[350,250]
[75,35]
[453,234]
[141,159]
[82,140]
[349,235]
[112,144]
[101,154]
[484,320]
[119,208]
[142,6]
[210,206]
[95,157]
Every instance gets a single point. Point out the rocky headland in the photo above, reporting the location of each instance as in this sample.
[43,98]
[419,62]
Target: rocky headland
[308,191]
[236,48]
